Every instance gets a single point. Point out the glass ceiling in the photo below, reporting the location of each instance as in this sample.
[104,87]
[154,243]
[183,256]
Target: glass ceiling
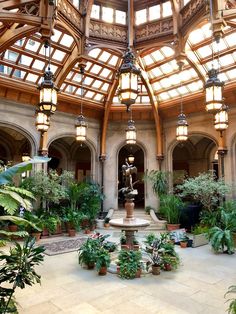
[25,61]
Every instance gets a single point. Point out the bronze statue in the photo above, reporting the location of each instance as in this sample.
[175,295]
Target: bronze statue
[127,171]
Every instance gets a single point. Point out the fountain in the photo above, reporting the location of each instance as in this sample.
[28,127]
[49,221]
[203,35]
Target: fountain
[129,224]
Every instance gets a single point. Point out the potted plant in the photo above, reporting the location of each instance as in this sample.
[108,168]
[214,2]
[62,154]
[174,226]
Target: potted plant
[170,208]
[200,235]
[155,262]
[130,264]
[232,305]
[149,240]
[103,261]
[123,244]
[73,220]
[135,244]
[184,240]
[106,222]
[88,253]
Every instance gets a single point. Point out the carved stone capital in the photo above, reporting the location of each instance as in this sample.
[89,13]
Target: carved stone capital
[102,158]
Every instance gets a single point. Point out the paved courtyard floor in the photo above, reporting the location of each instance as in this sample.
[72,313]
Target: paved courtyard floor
[198,286]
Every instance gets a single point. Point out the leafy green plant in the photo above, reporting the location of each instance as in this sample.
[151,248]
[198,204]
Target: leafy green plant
[109,246]
[17,268]
[73,217]
[130,263]
[232,305]
[150,238]
[103,258]
[221,236]
[123,238]
[159,181]
[198,229]
[204,189]
[170,208]
[88,252]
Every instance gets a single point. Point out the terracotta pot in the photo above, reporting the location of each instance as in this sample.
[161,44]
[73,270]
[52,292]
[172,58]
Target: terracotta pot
[91,266]
[36,235]
[102,271]
[87,231]
[58,229]
[106,225]
[71,232]
[124,247]
[156,270]
[84,223]
[118,270]
[135,247]
[171,227]
[167,267]
[13,228]
[234,238]
[138,273]
[45,232]
[183,244]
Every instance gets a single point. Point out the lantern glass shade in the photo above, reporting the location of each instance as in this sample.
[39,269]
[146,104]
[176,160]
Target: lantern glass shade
[128,88]
[214,91]
[48,94]
[131,159]
[25,157]
[81,129]
[131,133]
[42,121]
[182,128]
[221,119]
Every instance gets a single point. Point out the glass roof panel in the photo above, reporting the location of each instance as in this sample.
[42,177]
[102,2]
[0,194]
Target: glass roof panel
[148,60]
[157,55]
[89,94]
[57,34]
[167,51]
[105,86]
[58,55]
[98,97]
[88,80]
[97,84]
[32,77]
[32,45]
[166,9]
[107,14]
[95,69]
[67,40]
[25,60]
[141,16]
[120,17]
[231,74]
[104,56]
[204,51]
[113,60]
[94,53]
[230,39]
[95,13]
[154,12]
[38,65]
[105,72]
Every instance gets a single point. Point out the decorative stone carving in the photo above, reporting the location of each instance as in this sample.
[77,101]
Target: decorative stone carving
[66,8]
[191,9]
[108,31]
[154,30]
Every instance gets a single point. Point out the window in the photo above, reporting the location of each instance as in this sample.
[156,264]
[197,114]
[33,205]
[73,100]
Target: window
[185,2]
[154,12]
[141,16]
[76,3]
[166,9]
[120,17]
[107,15]
[95,14]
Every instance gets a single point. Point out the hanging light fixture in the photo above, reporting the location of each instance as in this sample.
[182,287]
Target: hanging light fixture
[128,80]
[182,125]
[131,133]
[221,119]
[213,86]
[81,124]
[42,121]
[131,159]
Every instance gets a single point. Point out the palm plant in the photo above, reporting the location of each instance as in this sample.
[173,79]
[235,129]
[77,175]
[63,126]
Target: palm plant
[159,181]
[232,305]
[17,268]
[170,208]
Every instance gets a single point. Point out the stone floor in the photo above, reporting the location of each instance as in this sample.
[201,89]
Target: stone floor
[198,286]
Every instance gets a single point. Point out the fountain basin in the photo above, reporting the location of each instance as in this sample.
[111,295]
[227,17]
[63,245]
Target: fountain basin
[129,223]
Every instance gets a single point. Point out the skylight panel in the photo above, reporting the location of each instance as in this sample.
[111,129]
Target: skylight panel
[88,80]
[230,39]
[115,100]
[231,74]
[182,90]
[167,51]
[157,55]
[174,65]
[98,97]
[32,77]
[206,29]
[70,88]
[145,99]
[204,51]
[104,56]
[120,17]
[166,9]
[223,77]
[195,86]
[165,83]
[166,68]
[53,68]
[105,73]
[219,46]
[89,94]
[69,75]
[154,12]
[67,40]
[97,84]
[76,3]
[156,72]
[185,76]
[77,78]
[113,60]
[32,45]
[105,86]
[79,92]
[25,60]
[156,86]
[174,79]
[141,16]
[148,60]
[58,55]
[196,36]
[186,1]
[57,34]
[107,14]
[88,65]
[11,55]
[173,93]
[39,65]
[94,53]
[18,74]
[164,96]
[95,69]
[95,13]
[19,42]
[226,60]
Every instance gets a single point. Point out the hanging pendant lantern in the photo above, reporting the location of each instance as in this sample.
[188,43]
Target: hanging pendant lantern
[221,119]
[214,91]
[182,128]
[48,94]
[81,129]
[131,133]
[25,157]
[128,80]
[131,159]
[42,122]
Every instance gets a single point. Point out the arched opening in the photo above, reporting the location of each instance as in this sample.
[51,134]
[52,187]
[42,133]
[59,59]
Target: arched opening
[196,155]
[14,146]
[67,154]
[138,154]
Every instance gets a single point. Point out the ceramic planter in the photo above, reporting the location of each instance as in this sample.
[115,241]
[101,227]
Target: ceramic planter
[102,271]
[156,270]
[171,227]
[183,244]
[199,240]
[71,232]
